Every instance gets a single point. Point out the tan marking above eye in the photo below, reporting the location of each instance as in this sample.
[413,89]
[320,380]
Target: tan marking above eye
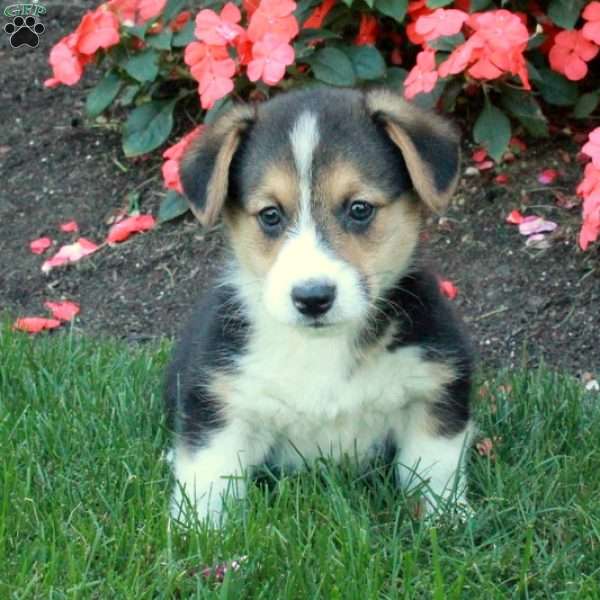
[343,182]
[279,186]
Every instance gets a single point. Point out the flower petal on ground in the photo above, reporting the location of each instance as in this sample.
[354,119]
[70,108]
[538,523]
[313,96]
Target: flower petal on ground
[532,225]
[548,176]
[40,245]
[125,228]
[448,289]
[64,311]
[69,227]
[35,324]
[515,217]
[70,253]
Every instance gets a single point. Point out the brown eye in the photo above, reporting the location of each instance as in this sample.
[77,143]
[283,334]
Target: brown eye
[361,211]
[270,220]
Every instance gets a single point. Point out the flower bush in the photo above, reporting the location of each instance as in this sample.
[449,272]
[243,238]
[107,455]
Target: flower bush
[505,66]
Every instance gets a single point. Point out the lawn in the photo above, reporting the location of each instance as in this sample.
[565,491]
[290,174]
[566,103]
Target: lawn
[84,491]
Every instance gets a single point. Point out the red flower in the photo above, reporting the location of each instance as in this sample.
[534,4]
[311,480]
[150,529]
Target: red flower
[123,229]
[170,168]
[367,30]
[66,61]
[448,289]
[64,311]
[423,76]
[592,148]
[40,245]
[570,53]
[125,10]
[148,9]
[270,57]
[219,30]
[98,29]
[250,6]
[440,23]
[515,218]
[243,47]
[275,17]
[591,30]
[317,16]
[35,324]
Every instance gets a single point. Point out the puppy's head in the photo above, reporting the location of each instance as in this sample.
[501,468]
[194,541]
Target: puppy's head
[322,193]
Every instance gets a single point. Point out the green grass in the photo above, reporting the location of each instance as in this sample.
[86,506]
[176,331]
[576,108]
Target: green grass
[84,492]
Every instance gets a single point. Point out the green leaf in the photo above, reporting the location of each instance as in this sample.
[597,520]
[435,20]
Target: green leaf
[161,41]
[447,43]
[185,36]
[332,66]
[438,3]
[172,9]
[492,129]
[309,35]
[478,5]
[128,94]
[586,105]
[348,3]
[143,66]
[103,94]
[138,31]
[392,8]
[556,89]
[303,9]
[147,127]
[367,62]
[173,205]
[524,107]
[219,107]
[565,13]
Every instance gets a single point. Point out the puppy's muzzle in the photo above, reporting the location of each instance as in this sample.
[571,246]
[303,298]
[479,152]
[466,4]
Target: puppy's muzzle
[313,298]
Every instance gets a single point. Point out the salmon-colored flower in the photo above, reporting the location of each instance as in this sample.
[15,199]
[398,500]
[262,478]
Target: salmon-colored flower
[367,30]
[125,10]
[98,29]
[63,311]
[122,230]
[591,30]
[270,57]
[440,22]
[592,148]
[219,29]
[274,17]
[423,76]
[317,16]
[590,185]
[66,61]
[40,245]
[590,230]
[69,227]
[35,324]
[170,168]
[243,48]
[571,53]
[149,9]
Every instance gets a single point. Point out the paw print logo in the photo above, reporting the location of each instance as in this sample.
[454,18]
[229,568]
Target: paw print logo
[24,32]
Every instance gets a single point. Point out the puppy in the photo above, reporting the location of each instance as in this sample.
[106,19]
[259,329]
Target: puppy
[324,335]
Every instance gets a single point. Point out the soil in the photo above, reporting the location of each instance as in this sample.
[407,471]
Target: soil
[521,304]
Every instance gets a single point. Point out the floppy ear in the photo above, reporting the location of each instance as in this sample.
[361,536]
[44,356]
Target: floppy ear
[205,166]
[429,145]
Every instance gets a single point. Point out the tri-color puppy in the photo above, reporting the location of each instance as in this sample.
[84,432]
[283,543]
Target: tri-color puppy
[324,335]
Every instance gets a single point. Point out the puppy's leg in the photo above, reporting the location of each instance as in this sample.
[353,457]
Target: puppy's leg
[427,456]
[205,475]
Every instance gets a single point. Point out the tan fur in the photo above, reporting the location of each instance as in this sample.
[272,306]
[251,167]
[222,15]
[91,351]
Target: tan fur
[400,118]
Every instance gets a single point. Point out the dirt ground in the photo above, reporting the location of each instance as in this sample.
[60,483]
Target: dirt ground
[520,304]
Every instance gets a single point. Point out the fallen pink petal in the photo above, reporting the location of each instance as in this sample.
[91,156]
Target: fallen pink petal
[533,224]
[70,253]
[480,155]
[220,570]
[63,311]
[125,228]
[501,179]
[35,324]
[448,289]
[548,176]
[537,240]
[40,245]
[69,227]
[485,165]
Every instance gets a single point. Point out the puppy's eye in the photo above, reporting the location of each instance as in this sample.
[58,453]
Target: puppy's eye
[361,211]
[270,219]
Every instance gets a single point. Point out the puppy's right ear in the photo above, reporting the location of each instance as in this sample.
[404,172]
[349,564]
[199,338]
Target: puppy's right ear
[205,166]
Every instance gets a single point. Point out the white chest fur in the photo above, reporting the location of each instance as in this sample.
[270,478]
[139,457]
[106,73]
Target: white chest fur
[313,394]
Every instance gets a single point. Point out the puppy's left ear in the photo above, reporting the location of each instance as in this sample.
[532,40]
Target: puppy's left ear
[206,166]
[428,143]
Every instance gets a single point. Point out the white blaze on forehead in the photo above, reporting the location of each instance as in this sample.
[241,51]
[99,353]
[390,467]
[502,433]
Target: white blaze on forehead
[304,138]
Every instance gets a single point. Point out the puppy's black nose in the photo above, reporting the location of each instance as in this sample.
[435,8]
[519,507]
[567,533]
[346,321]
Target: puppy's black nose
[313,298]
